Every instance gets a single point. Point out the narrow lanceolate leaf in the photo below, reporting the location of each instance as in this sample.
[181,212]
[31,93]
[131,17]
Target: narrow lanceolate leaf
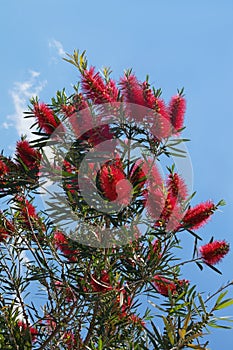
[220,297]
[170,330]
[202,303]
[197,347]
[224,304]
[215,325]
[182,331]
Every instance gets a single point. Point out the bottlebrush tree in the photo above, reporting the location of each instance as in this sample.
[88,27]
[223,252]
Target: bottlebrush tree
[95,264]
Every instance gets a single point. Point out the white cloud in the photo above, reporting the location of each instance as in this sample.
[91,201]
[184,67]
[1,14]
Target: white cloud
[21,93]
[58,47]
[6,125]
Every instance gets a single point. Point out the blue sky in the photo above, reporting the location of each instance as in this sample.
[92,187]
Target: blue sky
[178,43]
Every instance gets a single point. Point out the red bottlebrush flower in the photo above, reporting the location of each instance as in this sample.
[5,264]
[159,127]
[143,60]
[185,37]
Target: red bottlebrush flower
[3,168]
[68,110]
[132,90]
[196,217]
[95,88]
[156,250]
[80,102]
[212,253]
[101,284]
[27,212]
[157,247]
[60,240]
[138,177]
[168,208]
[182,283]
[78,115]
[62,243]
[3,234]
[98,135]
[149,97]
[112,90]
[24,328]
[112,182]
[27,154]
[124,301]
[6,228]
[46,118]
[153,175]
[173,223]
[161,127]
[68,167]
[177,187]
[163,285]
[136,320]
[140,94]
[69,340]
[71,179]
[176,110]
[155,202]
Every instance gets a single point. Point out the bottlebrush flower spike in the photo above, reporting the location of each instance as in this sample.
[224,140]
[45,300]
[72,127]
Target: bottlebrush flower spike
[132,91]
[101,284]
[112,182]
[95,88]
[161,127]
[155,202]
[138,176]
[68,110]
[27,154]
[164,285]
[137,320]
[154,178]
[171,214]
[177,187]
[28,214]
[212,253]
[156,250]
[45,118]
[112,90]
[70,340]
[6,228]
[3,168]
[149,97]
[173,223]
[176,109]
[27,209]
[24,328]
[62,243]
[197,216]
[79,102]
[98,135]
[78,114]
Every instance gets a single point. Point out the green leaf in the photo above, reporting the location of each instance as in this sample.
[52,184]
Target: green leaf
[202,303]
[170,330]
[224,304]
[215,325]
[100,344]
[221,296]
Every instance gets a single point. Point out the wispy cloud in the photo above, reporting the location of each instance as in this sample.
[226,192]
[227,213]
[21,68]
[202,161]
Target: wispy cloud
[56,46]
[20,94]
